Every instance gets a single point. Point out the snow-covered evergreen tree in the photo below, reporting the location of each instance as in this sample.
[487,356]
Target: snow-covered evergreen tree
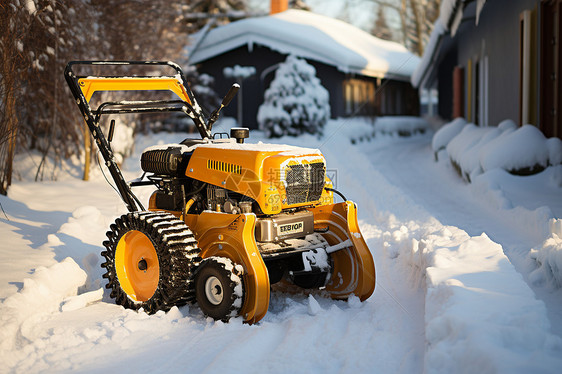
[295,102]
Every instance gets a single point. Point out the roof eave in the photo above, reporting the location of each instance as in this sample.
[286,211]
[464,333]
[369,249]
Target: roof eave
[198,56]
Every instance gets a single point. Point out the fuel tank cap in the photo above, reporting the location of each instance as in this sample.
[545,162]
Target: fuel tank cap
[239,133]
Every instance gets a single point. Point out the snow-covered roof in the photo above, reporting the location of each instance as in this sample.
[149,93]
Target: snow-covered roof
[430,53]
[315,37]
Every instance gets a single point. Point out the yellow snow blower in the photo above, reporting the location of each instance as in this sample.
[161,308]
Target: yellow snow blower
[227,220]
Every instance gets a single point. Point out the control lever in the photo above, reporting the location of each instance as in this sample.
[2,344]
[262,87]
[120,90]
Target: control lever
[227,99]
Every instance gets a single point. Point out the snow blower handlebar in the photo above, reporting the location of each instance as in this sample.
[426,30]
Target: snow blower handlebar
[83,87]
[88,85]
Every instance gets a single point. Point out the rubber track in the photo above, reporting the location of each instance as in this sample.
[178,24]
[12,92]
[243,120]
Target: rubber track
[178,256]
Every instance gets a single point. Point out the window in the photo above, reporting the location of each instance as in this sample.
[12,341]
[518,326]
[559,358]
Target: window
[359,97]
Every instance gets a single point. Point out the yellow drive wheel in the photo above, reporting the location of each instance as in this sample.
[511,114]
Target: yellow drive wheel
[136,264]
[151,259]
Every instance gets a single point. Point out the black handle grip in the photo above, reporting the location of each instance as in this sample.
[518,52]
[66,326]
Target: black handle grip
[111,130]
[230,94]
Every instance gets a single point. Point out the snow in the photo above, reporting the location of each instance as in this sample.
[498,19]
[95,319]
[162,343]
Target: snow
[365,129]
[447,10]
[468,275]
[477,149]
[524,147]
[30,6]
[163,147]
[312,36]
[460,331]
[123,140]
[283,149]
[402,125]
[549,258]
[446,133]
[239,72]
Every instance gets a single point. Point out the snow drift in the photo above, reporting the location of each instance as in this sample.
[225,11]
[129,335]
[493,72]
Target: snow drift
[474,150]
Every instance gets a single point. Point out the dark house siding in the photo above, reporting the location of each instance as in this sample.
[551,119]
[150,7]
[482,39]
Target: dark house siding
[263,58]
[497,36]
[445,85]
[253,88]
[397,98]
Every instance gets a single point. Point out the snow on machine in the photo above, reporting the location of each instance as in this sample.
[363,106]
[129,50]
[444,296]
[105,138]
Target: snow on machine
[227,220]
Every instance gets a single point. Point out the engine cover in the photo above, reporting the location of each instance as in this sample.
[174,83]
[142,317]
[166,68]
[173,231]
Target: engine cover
[277,177]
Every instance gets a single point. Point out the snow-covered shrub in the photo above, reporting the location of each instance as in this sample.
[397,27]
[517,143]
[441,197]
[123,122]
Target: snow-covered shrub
[469,162]
[475,150]
[554,146]
[239,72]
[445,134]
[401,125]
[523,151]
[295,102]
[507,125]
[467,138]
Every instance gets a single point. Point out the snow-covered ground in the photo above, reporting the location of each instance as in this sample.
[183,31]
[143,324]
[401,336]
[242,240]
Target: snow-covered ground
[459,288]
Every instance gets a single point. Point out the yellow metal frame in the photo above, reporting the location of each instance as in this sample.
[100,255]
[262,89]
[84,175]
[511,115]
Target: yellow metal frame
[233,236]
[90,85]
[354,268]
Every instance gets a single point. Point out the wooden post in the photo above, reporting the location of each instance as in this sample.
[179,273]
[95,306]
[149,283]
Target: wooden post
[87,153]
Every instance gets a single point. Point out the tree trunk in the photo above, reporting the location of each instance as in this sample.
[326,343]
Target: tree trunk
[418,25]
[87,153]
[10,146]
[9,119]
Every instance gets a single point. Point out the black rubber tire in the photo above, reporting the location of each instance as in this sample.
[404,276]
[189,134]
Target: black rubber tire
[178,257]
[227,278]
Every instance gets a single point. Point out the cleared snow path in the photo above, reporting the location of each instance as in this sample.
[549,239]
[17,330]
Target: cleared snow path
[506,214]
[514,226]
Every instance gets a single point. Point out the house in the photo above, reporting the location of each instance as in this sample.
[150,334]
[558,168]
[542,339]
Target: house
[497,59]
[363,74]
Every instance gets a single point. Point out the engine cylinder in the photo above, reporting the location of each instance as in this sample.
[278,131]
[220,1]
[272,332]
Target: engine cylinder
[163,161]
